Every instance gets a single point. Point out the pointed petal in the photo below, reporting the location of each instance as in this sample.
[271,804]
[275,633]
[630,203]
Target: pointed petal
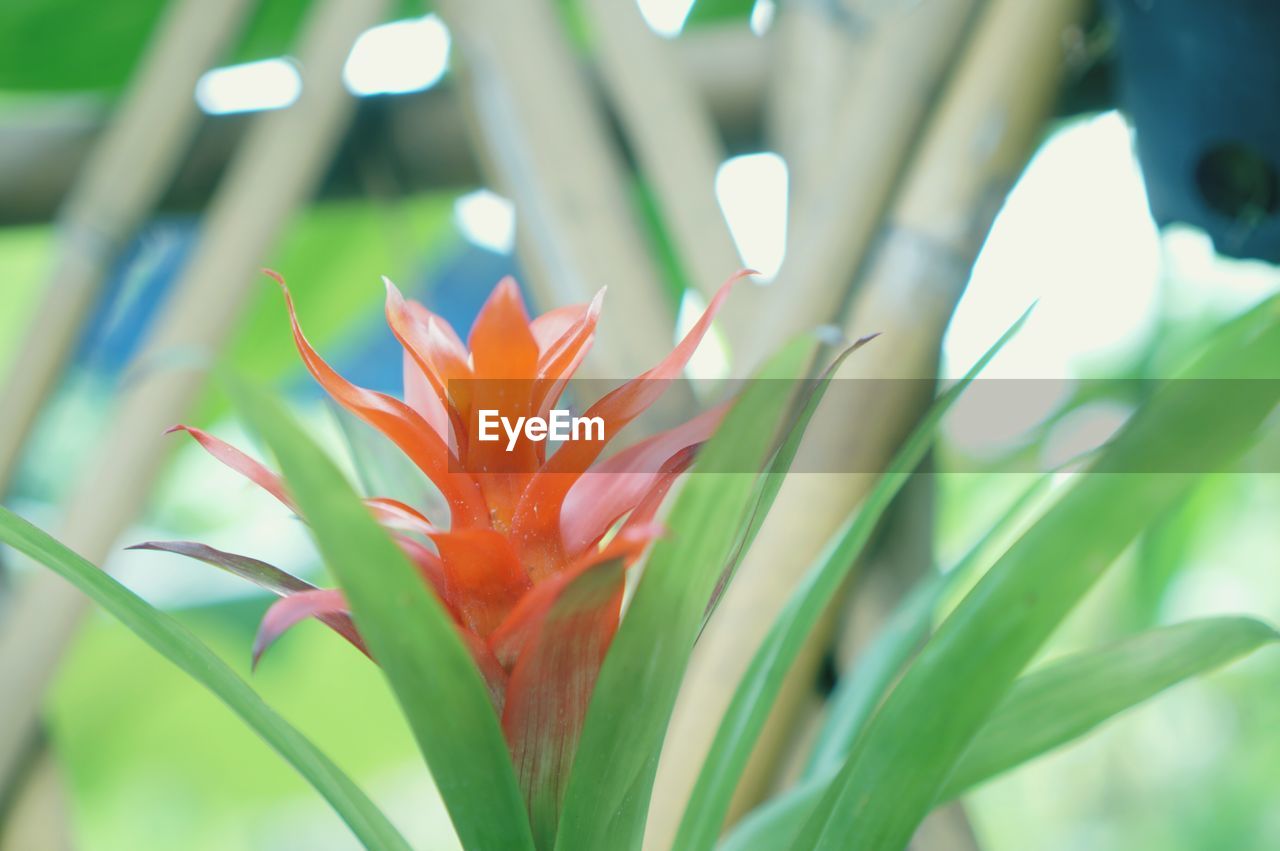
[325,604]
[266,576]
[560,358]
[395,515]
[437,354]
[647,509]
[548,328]
[538,515]
[502,346]
[616,485]
[241,463]
[400,423]
[420,395]
[551,684]
[504,357]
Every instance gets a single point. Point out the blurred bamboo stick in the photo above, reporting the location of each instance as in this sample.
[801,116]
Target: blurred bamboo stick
[909,49]
[986,128]
[542,136]
[989,124]
[281,161]
[423,134]
[119,183]
[39,817]
[674,139]
[906,56]
[815,51]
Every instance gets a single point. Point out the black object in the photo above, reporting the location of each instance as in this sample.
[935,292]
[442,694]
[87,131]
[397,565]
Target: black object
[1201,83]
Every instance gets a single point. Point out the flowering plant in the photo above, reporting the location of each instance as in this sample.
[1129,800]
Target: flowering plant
[519,543]
[540,704]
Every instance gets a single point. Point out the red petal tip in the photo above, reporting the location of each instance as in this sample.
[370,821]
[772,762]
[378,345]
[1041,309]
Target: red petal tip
[275,276]
[174,428]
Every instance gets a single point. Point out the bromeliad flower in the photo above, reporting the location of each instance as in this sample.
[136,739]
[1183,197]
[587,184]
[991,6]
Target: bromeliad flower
[531,565]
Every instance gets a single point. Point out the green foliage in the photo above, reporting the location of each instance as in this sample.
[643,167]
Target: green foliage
[1045,709]
[759,687]
[608,794]
[1069,697]
[409,633]
[889,782]
[179,646]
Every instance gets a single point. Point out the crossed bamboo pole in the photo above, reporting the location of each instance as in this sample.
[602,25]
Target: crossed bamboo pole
[117,187]
[978,139]
[271,176]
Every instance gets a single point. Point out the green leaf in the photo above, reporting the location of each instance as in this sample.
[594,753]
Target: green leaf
[407,630]
[768,486]
[860,691]
[1065,699]
[179,646]
[1045,709]
[609,785]
[890,781]
[758,689]
[775,823]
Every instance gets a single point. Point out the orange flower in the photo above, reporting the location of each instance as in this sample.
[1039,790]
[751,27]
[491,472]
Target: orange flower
[523,565]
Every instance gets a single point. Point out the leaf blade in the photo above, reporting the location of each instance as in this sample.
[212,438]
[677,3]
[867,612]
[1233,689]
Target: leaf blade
[1068,698]
[887,785]
[179,646]
[609,784]
[759,687]
[408,632]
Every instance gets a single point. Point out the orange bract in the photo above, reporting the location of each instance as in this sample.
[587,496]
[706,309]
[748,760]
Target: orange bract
[521,565]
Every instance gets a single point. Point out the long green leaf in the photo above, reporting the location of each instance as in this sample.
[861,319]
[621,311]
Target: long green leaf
[1067,698]
[173,641]
[608,792]
[759,686]
[891,779]
[860,692]
[770,484]
[1045,709]
[409,633]
[777,821]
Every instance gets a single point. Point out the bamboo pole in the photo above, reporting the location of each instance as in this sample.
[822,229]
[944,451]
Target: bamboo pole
[281,162]
[39,818]
[816,49]
[909,49]
[983,134]
[904,59]
[423,134]
[674,139]
[544,139]
[124,175]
